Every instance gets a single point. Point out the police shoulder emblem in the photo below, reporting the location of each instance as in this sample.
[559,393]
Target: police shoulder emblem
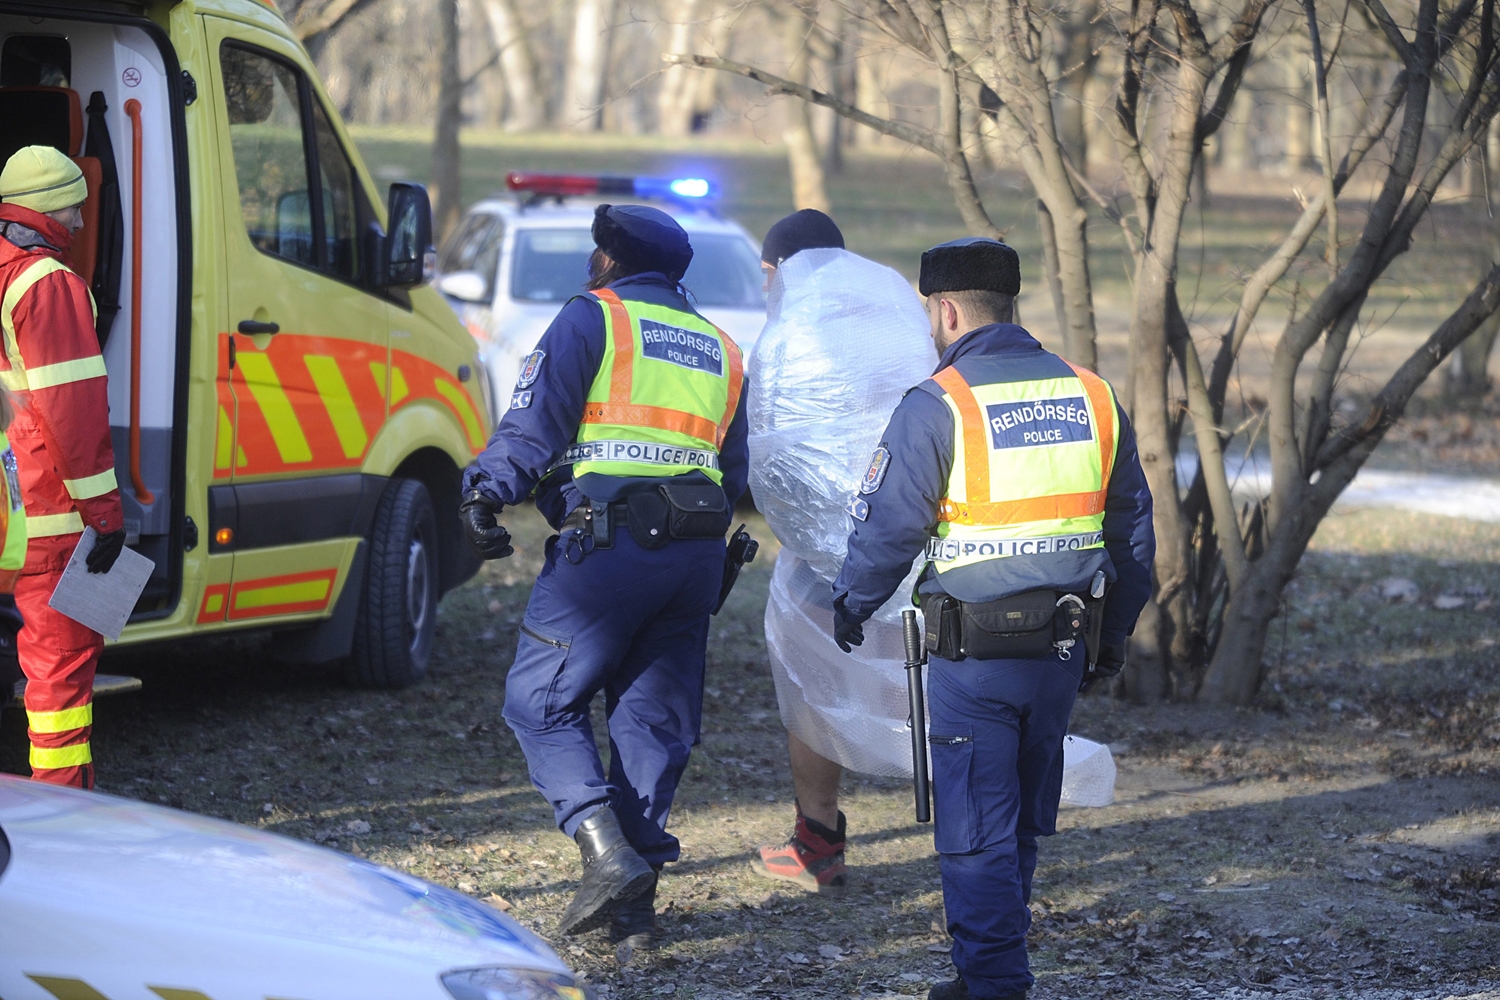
[880,464]
[531,367]
[520,400]
[858,509]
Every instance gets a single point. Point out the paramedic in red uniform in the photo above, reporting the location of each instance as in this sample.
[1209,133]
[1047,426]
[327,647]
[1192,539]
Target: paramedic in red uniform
[53,367]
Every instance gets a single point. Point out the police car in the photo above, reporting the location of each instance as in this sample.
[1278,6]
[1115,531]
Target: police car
[108,897]
[512,262]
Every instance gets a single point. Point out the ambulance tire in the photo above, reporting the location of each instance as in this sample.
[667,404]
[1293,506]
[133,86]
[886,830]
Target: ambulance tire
[394,627]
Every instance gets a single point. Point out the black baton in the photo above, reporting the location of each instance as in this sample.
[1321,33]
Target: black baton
[916,655]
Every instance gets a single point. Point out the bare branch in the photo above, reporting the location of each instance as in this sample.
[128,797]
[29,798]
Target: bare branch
[779,85]
[1387,24]
[1352,446]
[1325,148]
[327,17]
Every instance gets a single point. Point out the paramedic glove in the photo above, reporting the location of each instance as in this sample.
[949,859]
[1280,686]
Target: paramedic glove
[478,515]
[847,632]
[1109,664]
[106,550]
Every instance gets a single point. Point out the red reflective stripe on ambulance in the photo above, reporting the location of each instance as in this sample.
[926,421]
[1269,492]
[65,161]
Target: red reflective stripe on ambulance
[293,593]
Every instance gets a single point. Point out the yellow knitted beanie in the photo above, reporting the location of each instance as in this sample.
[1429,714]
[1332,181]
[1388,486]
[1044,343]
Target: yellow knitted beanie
[42,179]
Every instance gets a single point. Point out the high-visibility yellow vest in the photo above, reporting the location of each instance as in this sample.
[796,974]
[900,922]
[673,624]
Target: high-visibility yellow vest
[1031,467]
[12,519]
[667,388]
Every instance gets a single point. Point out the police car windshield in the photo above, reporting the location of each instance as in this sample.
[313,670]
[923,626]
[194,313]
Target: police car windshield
[551,266]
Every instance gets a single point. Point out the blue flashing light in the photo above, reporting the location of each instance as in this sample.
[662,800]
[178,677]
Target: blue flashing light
[691,188]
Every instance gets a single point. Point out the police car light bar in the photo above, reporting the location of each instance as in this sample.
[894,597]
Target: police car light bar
[564,185]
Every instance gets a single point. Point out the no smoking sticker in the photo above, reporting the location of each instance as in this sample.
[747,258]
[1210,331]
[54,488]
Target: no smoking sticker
[131,77]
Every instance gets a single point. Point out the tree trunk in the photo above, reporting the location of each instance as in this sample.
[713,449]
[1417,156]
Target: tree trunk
[809,188]
[675,101]
[525,110]
[445,149]
[1235,148]
[1297,143]
[588,64]
[1468,376]
[705,88]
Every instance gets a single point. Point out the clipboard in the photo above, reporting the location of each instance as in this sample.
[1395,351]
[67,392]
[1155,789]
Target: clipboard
[101,601]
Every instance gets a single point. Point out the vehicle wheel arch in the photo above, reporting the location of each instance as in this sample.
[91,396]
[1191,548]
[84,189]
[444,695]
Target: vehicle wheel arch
[435,469]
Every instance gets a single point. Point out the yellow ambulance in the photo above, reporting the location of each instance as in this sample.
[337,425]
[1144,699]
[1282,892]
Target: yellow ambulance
[290,403]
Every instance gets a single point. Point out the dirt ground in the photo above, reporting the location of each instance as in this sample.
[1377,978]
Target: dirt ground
[1341,838]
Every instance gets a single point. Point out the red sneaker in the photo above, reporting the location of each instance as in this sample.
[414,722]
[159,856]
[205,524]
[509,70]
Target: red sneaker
[813,857]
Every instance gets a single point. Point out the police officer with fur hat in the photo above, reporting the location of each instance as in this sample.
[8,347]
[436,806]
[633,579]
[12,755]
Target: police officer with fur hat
[1017,473]
[627,426]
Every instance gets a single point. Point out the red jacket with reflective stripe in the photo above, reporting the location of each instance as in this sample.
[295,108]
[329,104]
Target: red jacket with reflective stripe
[61,432]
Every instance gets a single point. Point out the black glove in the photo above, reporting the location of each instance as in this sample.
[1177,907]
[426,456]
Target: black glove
[478,515]
[847,633]
[106,550]
[1110,662]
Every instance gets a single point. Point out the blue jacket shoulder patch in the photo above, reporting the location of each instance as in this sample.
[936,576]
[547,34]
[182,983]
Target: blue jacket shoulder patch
[531,368]
[880,464]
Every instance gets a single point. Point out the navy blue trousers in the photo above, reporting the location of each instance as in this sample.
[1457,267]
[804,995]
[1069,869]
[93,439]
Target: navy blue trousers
[633,623]
[997,730]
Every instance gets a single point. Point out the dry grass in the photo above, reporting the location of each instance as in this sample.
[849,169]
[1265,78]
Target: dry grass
[1344,834]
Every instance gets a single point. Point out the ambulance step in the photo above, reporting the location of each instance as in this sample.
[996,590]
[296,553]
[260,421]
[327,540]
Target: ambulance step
[104,685]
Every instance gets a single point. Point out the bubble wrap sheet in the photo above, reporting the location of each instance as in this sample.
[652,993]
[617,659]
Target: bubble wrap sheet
[844,339]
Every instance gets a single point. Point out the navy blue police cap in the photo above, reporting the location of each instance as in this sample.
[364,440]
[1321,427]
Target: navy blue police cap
[972,264]
[643,239]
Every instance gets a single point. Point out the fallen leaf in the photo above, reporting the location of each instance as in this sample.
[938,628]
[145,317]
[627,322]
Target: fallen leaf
[357,826]
[797,958]
[499,902]
[831,952]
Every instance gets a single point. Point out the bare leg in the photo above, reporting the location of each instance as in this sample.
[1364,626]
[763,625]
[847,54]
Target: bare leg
[816,779]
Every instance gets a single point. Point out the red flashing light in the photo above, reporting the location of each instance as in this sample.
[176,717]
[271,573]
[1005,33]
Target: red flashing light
[566,185]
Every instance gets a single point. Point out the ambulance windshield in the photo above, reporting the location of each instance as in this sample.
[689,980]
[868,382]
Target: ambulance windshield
[551,265]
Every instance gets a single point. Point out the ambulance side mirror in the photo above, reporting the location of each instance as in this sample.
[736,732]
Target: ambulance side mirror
[410,257]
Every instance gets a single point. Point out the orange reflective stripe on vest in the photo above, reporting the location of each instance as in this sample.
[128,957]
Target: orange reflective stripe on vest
[978,508]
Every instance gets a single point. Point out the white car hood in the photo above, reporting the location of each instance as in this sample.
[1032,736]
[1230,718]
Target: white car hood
[124,894]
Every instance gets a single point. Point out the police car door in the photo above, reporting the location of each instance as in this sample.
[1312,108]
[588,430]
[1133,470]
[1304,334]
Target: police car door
[304,347]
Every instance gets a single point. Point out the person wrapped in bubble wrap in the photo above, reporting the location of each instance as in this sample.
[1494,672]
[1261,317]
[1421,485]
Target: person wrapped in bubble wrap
[845,338]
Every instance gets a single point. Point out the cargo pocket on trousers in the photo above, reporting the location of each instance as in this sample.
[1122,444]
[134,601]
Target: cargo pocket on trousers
[536,676]
[953,793]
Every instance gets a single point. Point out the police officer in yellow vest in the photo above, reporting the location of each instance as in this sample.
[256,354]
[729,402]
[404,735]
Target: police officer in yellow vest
[1017,473]
[627,425]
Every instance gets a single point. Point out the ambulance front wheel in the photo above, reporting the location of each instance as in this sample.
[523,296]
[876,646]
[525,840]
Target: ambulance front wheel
[393,631]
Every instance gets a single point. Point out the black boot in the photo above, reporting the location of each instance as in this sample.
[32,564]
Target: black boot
[613,874]
[634,924]
[953,989]
[957,989]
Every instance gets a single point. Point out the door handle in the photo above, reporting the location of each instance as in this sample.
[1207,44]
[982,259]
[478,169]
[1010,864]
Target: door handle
[253,326]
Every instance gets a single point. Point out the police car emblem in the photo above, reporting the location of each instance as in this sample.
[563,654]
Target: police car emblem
[880,464]
[857,508]
[520,400]
[531,367]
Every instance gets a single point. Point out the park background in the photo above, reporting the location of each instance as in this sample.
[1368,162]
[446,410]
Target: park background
[1339,834]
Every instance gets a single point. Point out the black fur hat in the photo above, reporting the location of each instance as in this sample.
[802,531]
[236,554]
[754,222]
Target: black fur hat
[643,239]
[972,264]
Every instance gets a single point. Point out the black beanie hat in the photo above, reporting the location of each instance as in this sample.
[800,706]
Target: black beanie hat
[972,264]
[643,239]
[808,229]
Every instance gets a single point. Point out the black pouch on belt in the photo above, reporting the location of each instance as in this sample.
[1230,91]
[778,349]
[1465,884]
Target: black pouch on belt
[646,513]
[1012,628]
[696,510]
